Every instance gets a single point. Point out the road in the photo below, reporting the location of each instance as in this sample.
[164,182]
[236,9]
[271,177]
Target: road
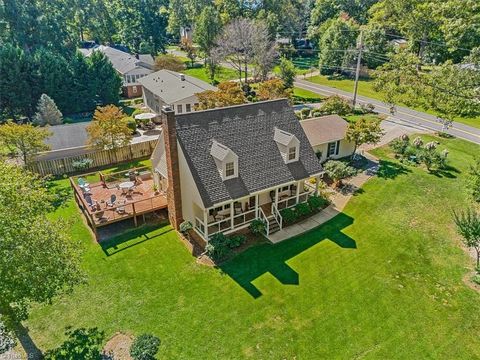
[403,115]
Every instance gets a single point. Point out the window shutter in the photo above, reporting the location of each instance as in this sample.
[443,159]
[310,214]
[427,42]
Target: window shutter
[337,150]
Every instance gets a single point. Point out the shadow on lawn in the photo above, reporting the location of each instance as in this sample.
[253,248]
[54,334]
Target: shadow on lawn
[447,172]
[390,169]
[132,238]
[256,261]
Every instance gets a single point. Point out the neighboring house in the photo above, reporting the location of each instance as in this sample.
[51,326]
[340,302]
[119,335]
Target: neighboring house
[172,89]
[69,140]
[327,134]
[223,168]
[130,67]
[186,34]
[399,43]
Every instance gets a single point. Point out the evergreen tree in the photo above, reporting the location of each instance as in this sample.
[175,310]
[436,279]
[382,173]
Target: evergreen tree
[82,89]
[287,72]
[106,81]
[47,112]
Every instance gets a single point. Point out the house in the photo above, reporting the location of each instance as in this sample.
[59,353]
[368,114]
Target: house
[130,67]
[172,89]
[326,135]
[186,34]
[223,168]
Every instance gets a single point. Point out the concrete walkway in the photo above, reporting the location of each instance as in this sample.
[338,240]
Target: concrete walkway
[339,199]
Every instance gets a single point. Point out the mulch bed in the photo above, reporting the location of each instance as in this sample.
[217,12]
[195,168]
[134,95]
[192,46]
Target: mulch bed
[118,347]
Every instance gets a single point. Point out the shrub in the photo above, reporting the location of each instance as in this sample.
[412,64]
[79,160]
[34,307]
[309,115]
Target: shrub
[305,113]
[338,170]
[185,226]
[288,215]
[257,227]
[131,123]
[137,112]
[303,209]
[144,347]
[236,241]
[399,146]
[82,164]
[218,246]
[475,279]
[316,202]
[336,105]
[7,340]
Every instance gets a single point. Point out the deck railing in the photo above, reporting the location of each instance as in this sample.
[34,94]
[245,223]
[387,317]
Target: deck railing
[277,216]
[264,218]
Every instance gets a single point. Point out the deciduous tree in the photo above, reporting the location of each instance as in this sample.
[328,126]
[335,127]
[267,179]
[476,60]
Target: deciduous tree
[287,72]
[23,140]
[228,93]
[468,226]
[364,131]
[109,128]
[207,28]
[473,180]
[169,62]
[38,260]
[273,89]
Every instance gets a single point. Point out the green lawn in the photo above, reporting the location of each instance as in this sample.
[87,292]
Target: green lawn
[383,280]
[365,88]
[224,74]
[306,96]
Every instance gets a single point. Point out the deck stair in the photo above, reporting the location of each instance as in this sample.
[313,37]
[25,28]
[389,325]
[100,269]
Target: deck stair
[274,226]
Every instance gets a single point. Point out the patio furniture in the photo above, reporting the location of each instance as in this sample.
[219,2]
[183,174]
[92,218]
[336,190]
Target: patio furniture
[238,208]
[121,209]
[112,200]
[82,183]
[210,219]
[223,213]
[125,186]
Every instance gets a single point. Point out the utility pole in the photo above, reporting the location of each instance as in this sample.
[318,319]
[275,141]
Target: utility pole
[357,73]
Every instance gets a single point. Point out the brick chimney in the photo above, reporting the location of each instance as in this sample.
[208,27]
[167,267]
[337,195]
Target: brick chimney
[174,195]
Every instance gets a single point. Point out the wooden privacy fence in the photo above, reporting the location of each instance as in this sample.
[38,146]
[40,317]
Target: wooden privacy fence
[100,158]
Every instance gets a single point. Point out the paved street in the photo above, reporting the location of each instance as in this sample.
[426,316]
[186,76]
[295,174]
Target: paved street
[403,115]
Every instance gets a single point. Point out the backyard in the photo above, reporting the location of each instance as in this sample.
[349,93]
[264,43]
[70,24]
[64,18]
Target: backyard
[381,280]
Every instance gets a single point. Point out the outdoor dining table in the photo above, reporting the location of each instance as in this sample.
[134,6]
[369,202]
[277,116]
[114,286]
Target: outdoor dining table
[127,185]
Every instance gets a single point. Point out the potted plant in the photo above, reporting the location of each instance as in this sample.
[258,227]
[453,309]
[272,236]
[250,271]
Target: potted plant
[155,189]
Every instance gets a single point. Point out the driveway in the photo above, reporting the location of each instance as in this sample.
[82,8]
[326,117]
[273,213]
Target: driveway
[403,114]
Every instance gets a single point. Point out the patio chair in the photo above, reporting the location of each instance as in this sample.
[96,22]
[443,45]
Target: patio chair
[210,219]
[238,208]
[89,200]
[112,200]
[121,209]
[82,183]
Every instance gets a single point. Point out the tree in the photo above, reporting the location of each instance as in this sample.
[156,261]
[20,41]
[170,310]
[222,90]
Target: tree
[242,42]
[364,131]
[273,89]
[337,45]
[47,112]
[207,28]
[169,62]
[212,64]
[338,170]
[106,81]
[473,180]
[228,93]
[336,105]
[109,128]
[23,140]
[81,343]
[38,259]
[190,50]
[287,72]
[468,226]
[145,347]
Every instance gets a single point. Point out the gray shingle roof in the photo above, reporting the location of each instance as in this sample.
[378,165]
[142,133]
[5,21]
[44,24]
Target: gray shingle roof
[248,130]
[169,86]
[122,62]
[325,129]
[67,136]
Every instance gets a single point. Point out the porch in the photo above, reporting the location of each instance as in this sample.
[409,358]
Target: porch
[265,205]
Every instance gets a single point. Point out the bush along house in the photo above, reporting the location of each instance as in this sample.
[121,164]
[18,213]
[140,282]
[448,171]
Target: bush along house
[223,168]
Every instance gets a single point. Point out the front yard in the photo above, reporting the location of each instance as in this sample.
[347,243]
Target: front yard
[381,280]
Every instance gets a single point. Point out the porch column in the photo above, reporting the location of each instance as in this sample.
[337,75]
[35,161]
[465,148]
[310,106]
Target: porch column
[256,206]
[298,192]
[232,213]
[317,178]
[276,197]
[205,223]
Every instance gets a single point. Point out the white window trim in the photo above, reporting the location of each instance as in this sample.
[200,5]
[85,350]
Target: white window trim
[234,175]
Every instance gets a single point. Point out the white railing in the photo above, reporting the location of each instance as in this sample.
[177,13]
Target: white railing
[264,218]
[199,225]
[303,197]
[218,226]
[243,216]
[277,215]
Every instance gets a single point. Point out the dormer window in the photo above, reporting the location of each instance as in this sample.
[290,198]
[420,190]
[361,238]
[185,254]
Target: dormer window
[288,145]
[292,153]
[229,169]
[225,159]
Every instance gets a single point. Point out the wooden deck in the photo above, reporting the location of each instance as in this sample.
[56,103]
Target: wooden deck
[141,201]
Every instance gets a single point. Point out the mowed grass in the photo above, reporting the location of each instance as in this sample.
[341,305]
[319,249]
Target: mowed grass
[383,280]
[365,88]
[224,74]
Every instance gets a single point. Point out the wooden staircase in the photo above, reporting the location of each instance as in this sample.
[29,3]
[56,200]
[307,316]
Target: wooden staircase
[273,225]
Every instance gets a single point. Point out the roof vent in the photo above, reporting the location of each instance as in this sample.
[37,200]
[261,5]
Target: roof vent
[182,77]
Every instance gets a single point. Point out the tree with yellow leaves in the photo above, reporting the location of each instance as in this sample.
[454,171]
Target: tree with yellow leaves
[109,128]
